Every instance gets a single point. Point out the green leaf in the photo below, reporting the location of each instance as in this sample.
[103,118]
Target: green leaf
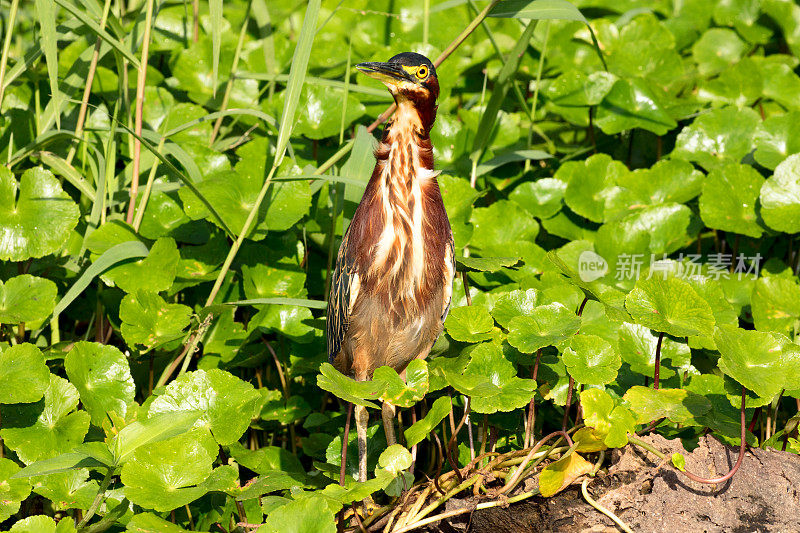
[775,304]
[542,198]
[404,393]
[670,305]
[513,304]
[26,298]
[510,157]
[285,412]
[68,490]
[491,381]
[438,411]
[728,202]
[42,524]
[668,181]
[591,184]
[546,325]
[307,514]
[637,347]
[150,523]
[777,139]
[115,254]
[227,403]
[152,429]
[61,463]
[718,136]
[591,360]
[679,461]
[576,89]
[103,379]
[609,419]
[215,12]
[678,405]
[764,362]
[631,104]
[395,459]
[502,223]
[739,85]
[470,323]
[780,197]
[716,49]
[48,427]
[36,215]
[557,476]
[169,474]
[348,389]
[150,321]
[321,111]
[24,377]
[487,264]
[12,491]
[537,10]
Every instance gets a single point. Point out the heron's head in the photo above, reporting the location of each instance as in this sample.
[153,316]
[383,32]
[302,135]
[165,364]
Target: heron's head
[409,76]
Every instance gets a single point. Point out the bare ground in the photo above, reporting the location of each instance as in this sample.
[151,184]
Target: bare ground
[763,496]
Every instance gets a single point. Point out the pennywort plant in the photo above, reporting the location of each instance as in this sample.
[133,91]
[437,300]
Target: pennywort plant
[622,180]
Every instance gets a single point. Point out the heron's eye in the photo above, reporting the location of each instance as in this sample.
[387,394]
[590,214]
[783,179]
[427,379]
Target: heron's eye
[422,72]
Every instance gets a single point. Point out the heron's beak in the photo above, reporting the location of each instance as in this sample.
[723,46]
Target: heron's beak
[389,73]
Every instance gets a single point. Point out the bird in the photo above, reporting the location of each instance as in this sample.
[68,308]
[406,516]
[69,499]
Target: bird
[393,282]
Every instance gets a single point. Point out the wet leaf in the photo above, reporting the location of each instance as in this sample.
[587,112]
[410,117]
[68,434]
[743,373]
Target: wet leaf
[348,389]
[728,202]
[546,325]
[764,362]
[36,215]
[718,136]
[670,305]
[103,379]
[591,360]
[24,377]
[469,324]
[227,403]
[677,405]
[780,196]
[150,321]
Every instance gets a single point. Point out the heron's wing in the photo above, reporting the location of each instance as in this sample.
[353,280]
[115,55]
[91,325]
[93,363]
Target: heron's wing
[344,290]
[450,274]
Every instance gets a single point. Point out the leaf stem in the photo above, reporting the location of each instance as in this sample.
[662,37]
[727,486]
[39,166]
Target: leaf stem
[97,499]
[602,509]
[657,370]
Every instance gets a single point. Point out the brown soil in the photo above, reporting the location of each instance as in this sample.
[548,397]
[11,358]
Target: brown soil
[763,496]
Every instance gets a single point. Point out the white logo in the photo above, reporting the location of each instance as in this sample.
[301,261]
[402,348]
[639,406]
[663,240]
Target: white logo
[591,266]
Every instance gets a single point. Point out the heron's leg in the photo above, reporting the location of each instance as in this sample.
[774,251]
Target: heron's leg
[362,419]
[388,413]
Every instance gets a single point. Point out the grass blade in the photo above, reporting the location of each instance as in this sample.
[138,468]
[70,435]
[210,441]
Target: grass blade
[112,256]
[301,302]
[6,45]
[215,10]
[46,14]
[297,74]
[95,27]
[62,168]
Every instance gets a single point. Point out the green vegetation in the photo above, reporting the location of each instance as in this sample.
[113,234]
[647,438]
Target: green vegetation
[175,180]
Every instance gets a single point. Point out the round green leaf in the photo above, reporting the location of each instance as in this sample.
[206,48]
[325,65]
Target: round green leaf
[610,422]
[670,305]
[541,198]
[576,89]
[546,325]
[777,139]
[227,403]
[404,393]
[591,360]
[728,202]
[720,135]
[103,379]
[26,298]
[471,323]
[169,474]
[514,304]
[36,215]
[304,515]
[150,321]
[284,412]
[42,524]
[764,362]
[678,405]
[320,111]
[631,104]
[775,304]
[739,85]
[395,459]
[637,347]
[668,181]
[502,223]
[593,184]
[780,196]
[12,491]
[24,376]
[48,427]
[716,49]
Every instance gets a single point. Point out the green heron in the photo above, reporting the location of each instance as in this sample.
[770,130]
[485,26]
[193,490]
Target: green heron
[391,289]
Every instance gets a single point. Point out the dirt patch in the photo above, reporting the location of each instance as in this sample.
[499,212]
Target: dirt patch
[764,496]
